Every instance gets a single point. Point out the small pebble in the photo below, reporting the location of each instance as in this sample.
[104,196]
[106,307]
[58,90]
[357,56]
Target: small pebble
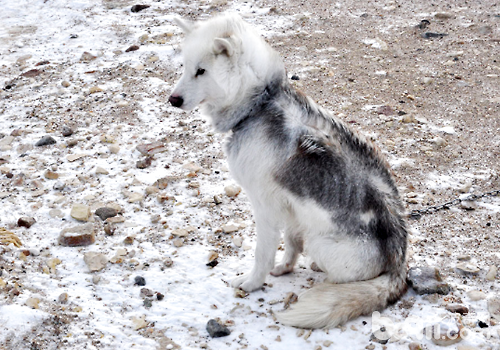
[63,298]
[26,221]
[492,273]
[147,303]
[138,8]
[144,163]
[159,296]
[45,141]
[216,330]
[106,212]
[66,131]
[132,48]
[456,308]
[139,281]
[476,295]
[109,229]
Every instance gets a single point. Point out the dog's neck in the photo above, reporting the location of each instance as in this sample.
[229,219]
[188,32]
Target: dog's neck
[235,116]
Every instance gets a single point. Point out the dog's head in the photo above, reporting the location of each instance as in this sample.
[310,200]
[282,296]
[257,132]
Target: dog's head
[215,72]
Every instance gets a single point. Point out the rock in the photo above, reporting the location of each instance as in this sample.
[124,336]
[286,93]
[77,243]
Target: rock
[139,322]
[427,280]
[62,298]
[429,35]
[77,236]
[168,262]
[457,308]
[467,269]
[476,295]
[177,242]
[133,197]
[444,333]
[232,190]
[494,307]
[295,77]
[49,174]
[216,330]
[139,281]
[492,273]
[80,212]
[159,296]
[180,232]
[45,141]
[147,303]
[73,157]
[106,212]
[67,131]
[230,228]
[238,241]
[52,264]
[128,240]
[192,167]
[386,110]
[56,213]
[109,229]
[468,205]
[144,163]
[464,257]
[65,84]
[33,303]
[443,15]
[87,57]
[26,221]
[31,73]
[145,292]
[138,8]
[212,263]
[113,148]
[132,48]
[101,171]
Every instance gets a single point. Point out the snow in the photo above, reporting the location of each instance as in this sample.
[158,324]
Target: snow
[100,312]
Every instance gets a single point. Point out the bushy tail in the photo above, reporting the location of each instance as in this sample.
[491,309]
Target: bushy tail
[328,305]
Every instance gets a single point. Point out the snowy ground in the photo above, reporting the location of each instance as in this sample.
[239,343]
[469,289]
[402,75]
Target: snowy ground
[432,105]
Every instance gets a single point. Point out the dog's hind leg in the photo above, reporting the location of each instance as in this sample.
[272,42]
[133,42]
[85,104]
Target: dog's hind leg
[268,236]
[346,259]
[294,245]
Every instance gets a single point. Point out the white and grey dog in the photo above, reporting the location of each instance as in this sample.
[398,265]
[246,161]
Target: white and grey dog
[305,172]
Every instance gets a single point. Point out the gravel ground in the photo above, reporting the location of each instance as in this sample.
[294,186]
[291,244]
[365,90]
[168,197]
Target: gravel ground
[420,78]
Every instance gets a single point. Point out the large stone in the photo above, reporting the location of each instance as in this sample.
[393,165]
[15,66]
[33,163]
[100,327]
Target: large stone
[77,236]
[427,280]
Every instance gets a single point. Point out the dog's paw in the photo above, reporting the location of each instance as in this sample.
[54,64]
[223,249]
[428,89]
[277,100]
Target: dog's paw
[281,269]
[245,283]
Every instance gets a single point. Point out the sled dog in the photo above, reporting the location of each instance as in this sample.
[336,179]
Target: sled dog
[306,173]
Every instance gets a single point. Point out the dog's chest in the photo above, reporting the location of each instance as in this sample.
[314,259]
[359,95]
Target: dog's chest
[251,160]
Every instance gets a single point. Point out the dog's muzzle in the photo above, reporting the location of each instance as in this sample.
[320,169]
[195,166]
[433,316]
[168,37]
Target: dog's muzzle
[176,101]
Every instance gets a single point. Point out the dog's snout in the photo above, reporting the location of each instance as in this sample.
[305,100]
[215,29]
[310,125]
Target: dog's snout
[176,101]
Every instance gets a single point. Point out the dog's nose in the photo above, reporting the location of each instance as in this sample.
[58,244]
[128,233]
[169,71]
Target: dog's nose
[176,101]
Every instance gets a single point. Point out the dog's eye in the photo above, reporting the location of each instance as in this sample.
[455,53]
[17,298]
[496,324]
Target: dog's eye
[200,71]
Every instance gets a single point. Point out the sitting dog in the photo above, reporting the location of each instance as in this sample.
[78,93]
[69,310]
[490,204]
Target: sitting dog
[305,172]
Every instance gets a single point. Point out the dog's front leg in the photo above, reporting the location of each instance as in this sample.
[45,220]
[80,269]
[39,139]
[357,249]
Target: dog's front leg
[268,236]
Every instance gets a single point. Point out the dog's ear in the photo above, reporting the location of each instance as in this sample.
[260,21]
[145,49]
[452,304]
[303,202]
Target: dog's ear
[186,25]
[222,45]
